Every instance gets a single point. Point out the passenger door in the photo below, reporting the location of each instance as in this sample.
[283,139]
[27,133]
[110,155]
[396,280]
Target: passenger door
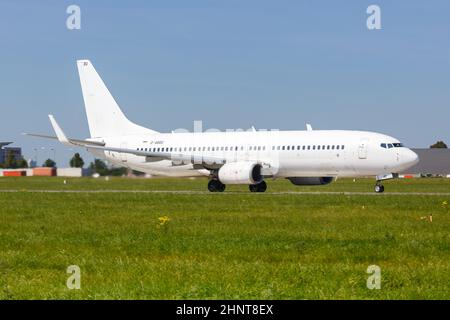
[362,148]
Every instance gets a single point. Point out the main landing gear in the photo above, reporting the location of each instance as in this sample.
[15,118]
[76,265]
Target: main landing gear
[215,185]
[259,187]
[379,188]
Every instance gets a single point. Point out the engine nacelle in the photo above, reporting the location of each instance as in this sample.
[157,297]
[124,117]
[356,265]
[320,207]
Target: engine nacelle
[243,172]
[310,181]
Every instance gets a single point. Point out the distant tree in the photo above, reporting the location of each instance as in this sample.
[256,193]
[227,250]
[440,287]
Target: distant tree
[77,161]
[10,162]
[118,171]
[439,144]
[49,163]
[100,167]
[22,163]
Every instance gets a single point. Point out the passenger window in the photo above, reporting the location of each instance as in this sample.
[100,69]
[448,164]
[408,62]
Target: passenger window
[314,147]
[283,147]
[342,147]
[309,147]
[337,147]
[288,147]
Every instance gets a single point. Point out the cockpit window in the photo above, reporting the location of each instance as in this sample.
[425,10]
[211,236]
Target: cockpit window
[391,145]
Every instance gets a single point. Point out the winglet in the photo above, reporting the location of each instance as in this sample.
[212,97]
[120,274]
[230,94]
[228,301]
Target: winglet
[308,127]
[59,133]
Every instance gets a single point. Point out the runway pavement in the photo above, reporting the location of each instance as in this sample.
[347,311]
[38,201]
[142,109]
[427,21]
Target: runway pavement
[236,192]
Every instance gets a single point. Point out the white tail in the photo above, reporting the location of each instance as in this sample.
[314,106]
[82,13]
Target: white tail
[104,115]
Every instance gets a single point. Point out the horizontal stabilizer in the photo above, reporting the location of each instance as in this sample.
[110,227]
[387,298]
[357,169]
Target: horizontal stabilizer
[61,136]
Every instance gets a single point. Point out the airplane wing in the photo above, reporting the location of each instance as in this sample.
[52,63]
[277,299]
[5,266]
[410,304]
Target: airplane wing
[204,161]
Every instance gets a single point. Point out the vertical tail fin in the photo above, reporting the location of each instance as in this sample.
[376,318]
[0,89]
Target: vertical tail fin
[104,115]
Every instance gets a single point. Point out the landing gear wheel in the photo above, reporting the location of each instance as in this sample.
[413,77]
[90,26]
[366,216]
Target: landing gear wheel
[379,188]
[260,187]
[216,186]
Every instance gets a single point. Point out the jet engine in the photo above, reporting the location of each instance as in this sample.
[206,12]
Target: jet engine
[243,172]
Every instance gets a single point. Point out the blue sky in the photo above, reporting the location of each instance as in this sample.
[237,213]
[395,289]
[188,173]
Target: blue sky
[231,64]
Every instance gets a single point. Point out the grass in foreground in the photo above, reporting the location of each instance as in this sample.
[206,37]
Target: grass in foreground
[225,246]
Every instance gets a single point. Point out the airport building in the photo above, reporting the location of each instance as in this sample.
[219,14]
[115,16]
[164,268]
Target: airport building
[435,161]
[5,151]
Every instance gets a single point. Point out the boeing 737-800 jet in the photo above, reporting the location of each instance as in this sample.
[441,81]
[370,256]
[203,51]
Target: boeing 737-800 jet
[311,157]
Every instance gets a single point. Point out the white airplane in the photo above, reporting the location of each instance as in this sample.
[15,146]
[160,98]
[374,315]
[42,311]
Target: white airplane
[311,157]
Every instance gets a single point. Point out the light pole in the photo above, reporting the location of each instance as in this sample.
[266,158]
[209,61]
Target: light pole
[54,153]
[36,155]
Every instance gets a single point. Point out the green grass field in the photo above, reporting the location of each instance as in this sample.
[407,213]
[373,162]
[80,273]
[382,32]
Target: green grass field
[234,245]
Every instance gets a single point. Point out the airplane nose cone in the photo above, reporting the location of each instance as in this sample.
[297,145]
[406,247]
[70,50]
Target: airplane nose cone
[410,158]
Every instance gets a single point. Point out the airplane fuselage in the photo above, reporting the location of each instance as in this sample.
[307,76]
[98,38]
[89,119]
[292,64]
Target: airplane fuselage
[330,153]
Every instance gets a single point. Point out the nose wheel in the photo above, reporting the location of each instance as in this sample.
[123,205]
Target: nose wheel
[379,188]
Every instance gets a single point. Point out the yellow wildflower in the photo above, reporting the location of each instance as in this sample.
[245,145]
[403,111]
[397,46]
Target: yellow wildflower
[163,220]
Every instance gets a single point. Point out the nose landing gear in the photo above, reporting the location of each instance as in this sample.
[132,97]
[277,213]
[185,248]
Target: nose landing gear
[379,188]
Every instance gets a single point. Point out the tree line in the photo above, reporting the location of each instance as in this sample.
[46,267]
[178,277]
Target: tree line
[98,166]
